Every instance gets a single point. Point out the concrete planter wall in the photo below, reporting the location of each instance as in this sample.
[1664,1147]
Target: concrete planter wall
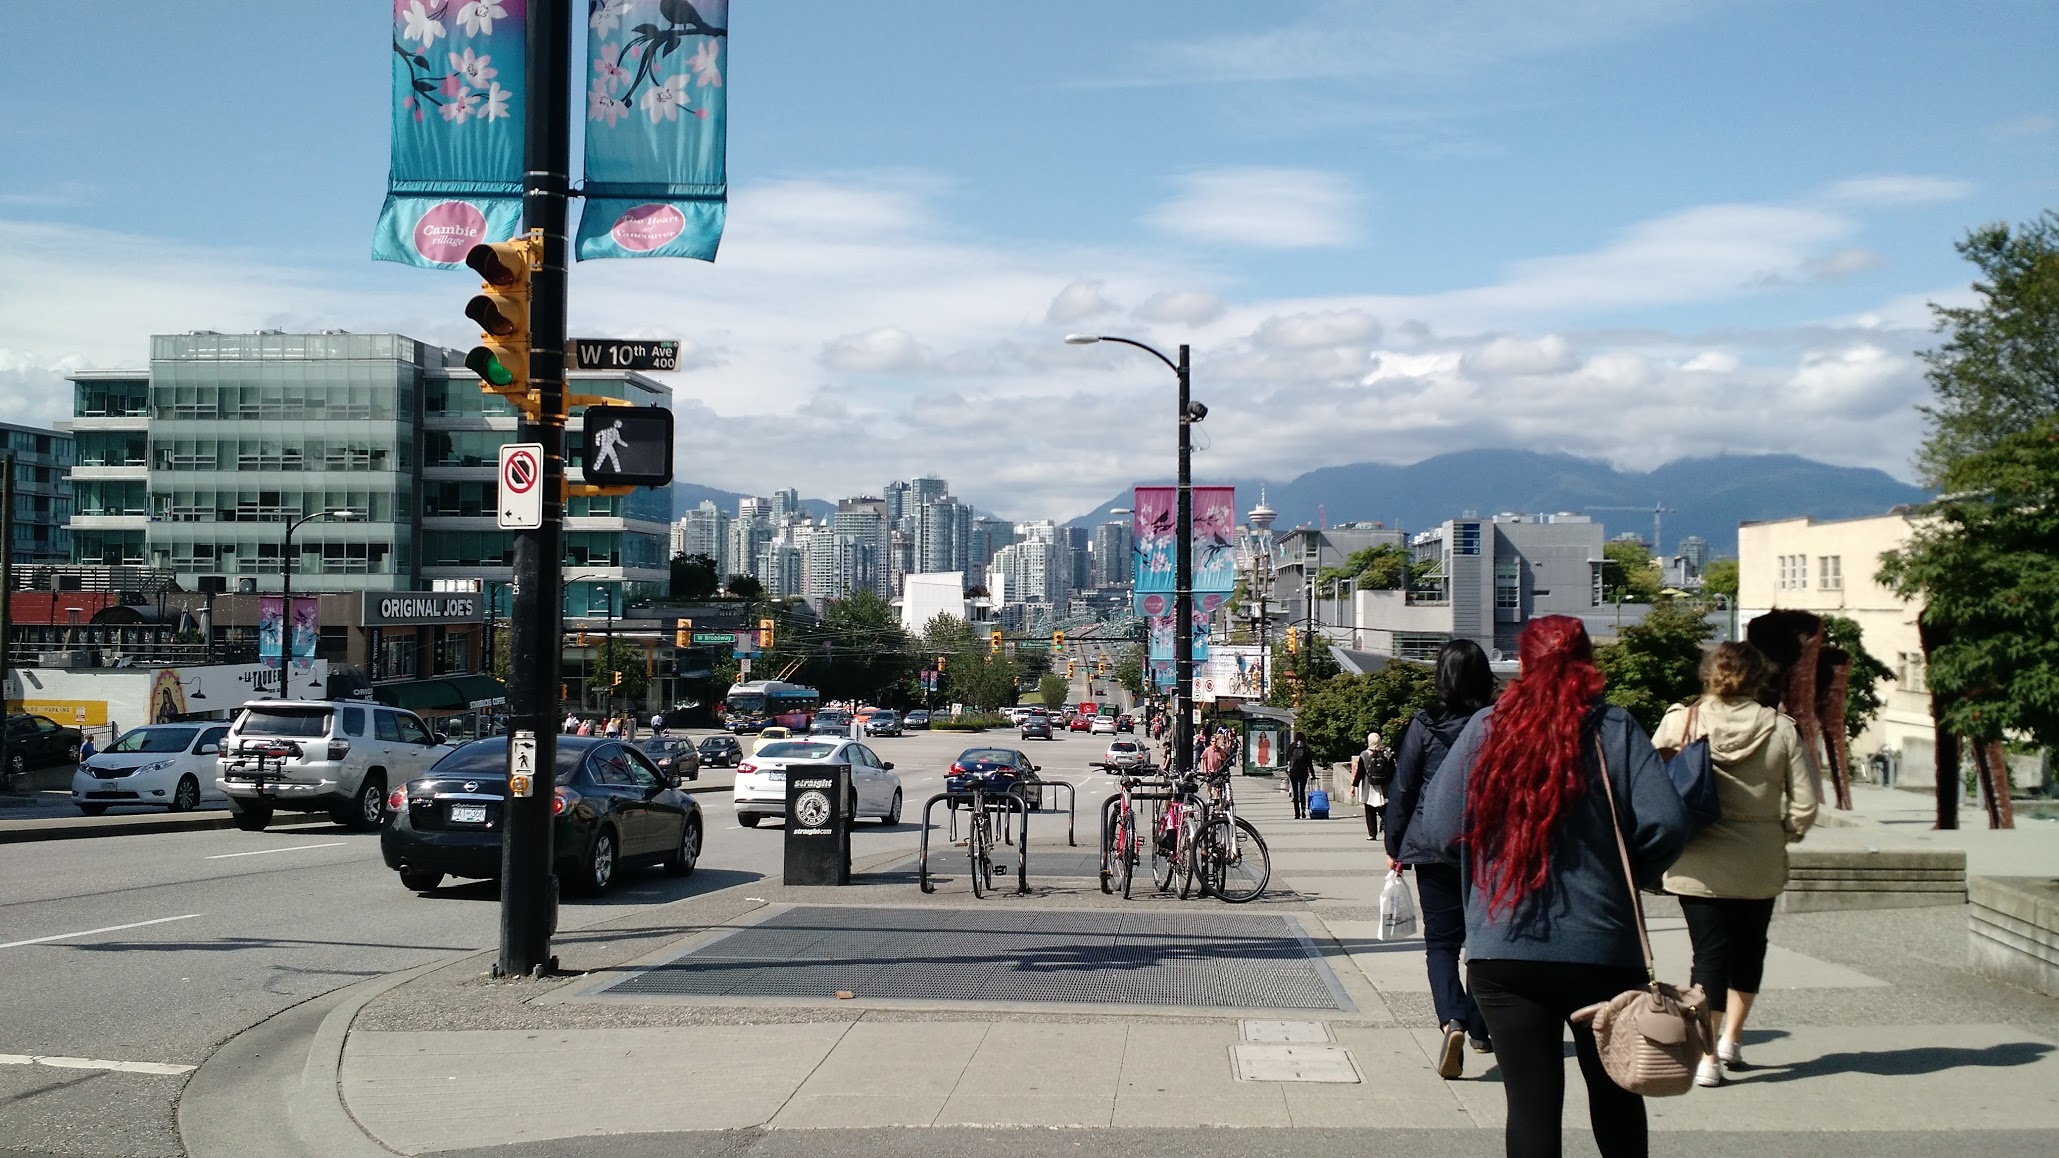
[2012,931]
[1822,880]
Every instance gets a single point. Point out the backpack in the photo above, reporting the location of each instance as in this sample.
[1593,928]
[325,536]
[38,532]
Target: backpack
[1376,769]
[1693,775]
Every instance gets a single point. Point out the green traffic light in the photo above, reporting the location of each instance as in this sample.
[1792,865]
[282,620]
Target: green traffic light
[481,361]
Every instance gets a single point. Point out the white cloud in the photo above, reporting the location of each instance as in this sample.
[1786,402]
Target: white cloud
[2030,125]
[1079,301]
[883,351]
[1191,308]
[1409,39]
[1897,191]
[1517,356]
[1262,208]
[1311,330]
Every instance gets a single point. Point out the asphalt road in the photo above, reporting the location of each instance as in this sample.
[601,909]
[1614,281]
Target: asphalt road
[157,948]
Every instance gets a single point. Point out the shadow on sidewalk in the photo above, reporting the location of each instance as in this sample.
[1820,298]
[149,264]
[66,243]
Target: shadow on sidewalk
[1906,1062]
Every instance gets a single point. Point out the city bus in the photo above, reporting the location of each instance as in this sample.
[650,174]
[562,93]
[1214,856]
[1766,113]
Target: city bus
[755,706]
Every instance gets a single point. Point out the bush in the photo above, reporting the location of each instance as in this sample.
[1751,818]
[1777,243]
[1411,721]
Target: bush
[971,722]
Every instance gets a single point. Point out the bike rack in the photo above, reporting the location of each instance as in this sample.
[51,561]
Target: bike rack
[1015,804]
[1071,805]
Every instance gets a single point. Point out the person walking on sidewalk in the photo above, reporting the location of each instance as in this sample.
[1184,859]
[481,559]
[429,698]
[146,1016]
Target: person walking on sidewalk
[1465,685]
[1371,772]
[1551,926]
[1734,870]
[1300,766]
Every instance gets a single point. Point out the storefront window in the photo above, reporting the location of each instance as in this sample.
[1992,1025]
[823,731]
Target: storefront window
[395,657]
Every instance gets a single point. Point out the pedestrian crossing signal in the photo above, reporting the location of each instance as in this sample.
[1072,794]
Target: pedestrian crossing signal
[627,446]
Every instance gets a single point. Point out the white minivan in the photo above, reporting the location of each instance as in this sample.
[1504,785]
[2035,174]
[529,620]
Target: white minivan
[170,766]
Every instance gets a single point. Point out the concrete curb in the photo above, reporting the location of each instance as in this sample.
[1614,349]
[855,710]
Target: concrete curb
[217,1117]
[84,827]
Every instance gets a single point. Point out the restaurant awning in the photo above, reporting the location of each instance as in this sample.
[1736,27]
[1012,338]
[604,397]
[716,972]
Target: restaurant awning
[449,694]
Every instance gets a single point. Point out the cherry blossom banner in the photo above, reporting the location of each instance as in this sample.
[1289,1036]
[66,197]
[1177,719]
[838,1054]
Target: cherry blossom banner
[1215,547]
[657,126]
[455,178]
[1153,516]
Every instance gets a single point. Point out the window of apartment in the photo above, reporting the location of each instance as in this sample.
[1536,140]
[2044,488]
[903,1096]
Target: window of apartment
[1794,572]
[1909,671]
[1508,585]
[1418,645]
[1830,572]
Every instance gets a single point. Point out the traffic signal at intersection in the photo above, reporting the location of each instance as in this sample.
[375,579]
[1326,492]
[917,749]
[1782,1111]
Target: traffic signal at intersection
[1058,639]
[682,633]
[1293,640]
[994,643]
[501,309]
[765,634]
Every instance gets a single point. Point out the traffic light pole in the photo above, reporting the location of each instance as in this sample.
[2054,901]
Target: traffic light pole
[1183,588]
[529,891]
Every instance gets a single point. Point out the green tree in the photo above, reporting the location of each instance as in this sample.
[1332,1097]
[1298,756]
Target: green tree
[1997,371]
[694,577]
[1308,665]
[1987,570]
[1051,690]
[1657,663]
[1720,578]
[1129,670]
[1862,702]
[612,658]
[1629,573]
[746,588]
[1380,567]
[862,652]
[1336,713]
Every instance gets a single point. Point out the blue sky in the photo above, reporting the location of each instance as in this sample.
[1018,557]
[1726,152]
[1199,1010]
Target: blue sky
[1629,229]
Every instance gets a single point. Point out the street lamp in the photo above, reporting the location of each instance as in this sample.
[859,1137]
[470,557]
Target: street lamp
[1188,414]
[341,515]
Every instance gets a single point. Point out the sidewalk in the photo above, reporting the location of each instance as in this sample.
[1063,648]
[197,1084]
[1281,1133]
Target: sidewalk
[1870,1023]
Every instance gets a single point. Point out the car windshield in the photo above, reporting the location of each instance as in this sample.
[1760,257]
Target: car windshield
[154,740]
[297,722]
[795,750]
[489,757]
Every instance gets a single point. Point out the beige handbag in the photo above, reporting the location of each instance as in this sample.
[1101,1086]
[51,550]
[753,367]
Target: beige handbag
[1650,1039]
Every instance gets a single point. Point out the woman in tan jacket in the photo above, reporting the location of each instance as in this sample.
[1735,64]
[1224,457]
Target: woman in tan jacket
[1733,870]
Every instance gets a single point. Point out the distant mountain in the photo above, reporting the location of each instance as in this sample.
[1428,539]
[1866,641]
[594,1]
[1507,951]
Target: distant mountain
[1706,496]
[686,496]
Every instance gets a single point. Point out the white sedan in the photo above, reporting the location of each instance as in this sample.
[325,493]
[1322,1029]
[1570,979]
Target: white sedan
[171,766]
[1125,756]
[1102,726]
[760,791]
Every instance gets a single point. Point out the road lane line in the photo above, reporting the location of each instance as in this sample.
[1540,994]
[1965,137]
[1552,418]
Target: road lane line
[263,851]
[89,1063]
[108,929]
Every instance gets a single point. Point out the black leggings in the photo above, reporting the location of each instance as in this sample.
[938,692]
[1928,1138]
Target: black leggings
[1729,937]
[1526,1004]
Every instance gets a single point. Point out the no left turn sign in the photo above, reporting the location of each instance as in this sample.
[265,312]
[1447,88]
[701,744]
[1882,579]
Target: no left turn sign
[521,486]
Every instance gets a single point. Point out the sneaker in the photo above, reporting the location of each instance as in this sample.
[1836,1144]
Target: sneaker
[1451,1061]
[1731,1054]
[1708,1073]
[1481,1044]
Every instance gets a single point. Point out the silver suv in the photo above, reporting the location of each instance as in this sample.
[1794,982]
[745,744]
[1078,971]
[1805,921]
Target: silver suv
[319,756]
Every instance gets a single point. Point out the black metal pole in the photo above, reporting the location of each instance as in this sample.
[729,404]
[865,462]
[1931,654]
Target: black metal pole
[529,891]
[6,620]
[286,610]
[608,669]
[1183,589]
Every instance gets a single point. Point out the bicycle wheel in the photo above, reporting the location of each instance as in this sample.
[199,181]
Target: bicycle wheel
[977,838]
[1108,847]
[1122,857]
[1164,861]
[1188,853]
[1239,864]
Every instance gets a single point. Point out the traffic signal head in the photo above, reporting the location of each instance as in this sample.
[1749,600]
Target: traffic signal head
[582,637]
[682,633]
[1293,641]
[502,311]
[940,662]
[765,627]
[617,681]
[1058,639]
[994,643]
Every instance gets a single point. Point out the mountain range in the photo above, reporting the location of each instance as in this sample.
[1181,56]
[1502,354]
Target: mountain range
[1702,496]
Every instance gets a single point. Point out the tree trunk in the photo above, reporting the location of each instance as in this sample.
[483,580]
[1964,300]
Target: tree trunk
[1945,744]
[1994,771]
[1830,702]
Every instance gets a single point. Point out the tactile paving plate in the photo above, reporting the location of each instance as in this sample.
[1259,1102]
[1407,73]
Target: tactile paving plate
[1182,959]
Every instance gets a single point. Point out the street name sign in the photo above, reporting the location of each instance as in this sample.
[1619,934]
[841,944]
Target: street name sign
[521,486]
[624,354]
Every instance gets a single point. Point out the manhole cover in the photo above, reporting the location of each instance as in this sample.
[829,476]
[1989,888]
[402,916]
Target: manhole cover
[1294,1063]
[1182,959]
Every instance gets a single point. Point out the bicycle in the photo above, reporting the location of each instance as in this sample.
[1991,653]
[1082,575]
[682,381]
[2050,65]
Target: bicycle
[1221,849]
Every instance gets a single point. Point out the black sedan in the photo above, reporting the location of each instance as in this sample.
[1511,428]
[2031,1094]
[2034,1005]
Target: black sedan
[675,756]
[1036,724]
[33,741]
[721,752]
[613,807]
[995,770]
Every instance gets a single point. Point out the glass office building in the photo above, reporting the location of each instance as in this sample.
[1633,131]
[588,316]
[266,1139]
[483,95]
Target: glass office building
[196,464]
[42,492]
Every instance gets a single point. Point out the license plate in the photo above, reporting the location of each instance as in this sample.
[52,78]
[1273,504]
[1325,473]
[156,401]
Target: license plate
[468,814]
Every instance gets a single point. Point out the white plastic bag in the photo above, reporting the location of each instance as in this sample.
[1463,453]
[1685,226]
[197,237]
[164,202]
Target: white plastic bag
[1397,910]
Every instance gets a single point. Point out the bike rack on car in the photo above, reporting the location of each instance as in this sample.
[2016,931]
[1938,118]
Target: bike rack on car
[1011,802]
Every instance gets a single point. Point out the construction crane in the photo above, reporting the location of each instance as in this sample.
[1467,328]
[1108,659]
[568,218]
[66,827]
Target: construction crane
[1657,510]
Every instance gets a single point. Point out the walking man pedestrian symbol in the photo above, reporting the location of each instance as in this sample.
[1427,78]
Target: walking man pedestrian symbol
[606,443]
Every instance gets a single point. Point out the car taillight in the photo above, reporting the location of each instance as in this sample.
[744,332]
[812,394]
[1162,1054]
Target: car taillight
[397,799]
[562,799]
[746,768]
[338,749]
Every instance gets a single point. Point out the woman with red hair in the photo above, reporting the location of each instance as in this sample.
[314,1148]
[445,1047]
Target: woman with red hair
[1550,921]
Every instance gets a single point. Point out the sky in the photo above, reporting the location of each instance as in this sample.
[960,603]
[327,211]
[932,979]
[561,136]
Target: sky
[1632,230]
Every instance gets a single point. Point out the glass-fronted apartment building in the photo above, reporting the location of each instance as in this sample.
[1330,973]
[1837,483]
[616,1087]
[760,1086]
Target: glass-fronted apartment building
[42,492]
[195,464]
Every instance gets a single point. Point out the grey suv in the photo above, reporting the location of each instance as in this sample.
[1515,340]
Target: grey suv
[321,756]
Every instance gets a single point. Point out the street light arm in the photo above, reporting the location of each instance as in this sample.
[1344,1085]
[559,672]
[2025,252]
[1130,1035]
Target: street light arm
[1151,350]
